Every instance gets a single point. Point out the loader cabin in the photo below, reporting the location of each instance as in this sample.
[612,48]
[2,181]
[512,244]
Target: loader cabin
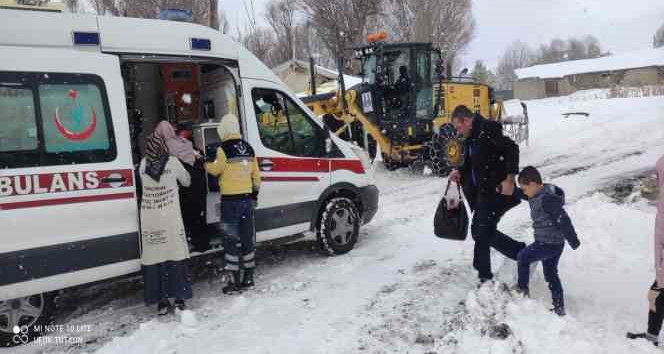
[78,96]
[389,71]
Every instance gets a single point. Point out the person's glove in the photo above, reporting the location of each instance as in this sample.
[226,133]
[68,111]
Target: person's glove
[455,176]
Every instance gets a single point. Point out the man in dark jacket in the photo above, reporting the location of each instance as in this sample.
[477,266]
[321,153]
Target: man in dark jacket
[487,176]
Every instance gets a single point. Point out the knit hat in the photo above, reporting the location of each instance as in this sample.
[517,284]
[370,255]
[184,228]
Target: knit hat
[229,128]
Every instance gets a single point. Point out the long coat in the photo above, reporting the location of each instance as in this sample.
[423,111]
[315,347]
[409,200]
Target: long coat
[162,230]
[659,225]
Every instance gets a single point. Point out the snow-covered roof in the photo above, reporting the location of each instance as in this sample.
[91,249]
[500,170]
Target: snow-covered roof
[349,80]
[631,60]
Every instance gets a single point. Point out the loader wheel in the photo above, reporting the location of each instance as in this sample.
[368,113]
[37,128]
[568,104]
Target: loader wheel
[447,150]
[338,226]
[390,164]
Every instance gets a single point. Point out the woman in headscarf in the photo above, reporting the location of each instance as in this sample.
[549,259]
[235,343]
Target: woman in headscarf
[164,243]
[192,198]
[656,293]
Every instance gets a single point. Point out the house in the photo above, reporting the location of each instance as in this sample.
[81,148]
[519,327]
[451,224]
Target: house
[295,74]
[633,69]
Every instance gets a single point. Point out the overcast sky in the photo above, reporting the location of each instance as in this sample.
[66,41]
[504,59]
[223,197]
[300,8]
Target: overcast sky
[620,25]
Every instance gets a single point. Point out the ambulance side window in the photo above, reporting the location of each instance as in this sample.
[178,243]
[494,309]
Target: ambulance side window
[54,119]
[78,119]
[284,127]
[17,112]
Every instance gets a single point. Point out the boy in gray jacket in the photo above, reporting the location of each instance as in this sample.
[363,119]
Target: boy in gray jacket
[552,226]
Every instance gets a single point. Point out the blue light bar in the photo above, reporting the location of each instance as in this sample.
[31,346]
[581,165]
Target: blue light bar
[177,15]
[201,44]
[86,38]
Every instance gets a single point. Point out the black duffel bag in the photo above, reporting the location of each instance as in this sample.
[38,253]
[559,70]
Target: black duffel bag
[451,224]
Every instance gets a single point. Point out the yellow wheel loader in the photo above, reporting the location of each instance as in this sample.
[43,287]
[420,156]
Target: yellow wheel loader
[403,106]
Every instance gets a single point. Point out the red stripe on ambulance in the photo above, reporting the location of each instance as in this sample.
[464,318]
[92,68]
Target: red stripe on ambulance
[282,164]
[64,182]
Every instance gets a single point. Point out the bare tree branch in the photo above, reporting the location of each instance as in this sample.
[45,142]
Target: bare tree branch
[341,24]
[658,40]
[518,55]
[280,15]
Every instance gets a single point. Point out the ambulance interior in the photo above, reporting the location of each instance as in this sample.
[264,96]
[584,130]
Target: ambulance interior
[186,94]
[193,96]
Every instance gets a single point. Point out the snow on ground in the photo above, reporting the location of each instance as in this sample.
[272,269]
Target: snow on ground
[402,290]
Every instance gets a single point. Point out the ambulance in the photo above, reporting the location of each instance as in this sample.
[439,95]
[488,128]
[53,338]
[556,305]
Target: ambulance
[79,94]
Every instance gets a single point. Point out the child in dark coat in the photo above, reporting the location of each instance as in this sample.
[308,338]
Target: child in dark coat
[552,226]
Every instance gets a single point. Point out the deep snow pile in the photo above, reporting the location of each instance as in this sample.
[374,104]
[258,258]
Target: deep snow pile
[605,285]
[402,290]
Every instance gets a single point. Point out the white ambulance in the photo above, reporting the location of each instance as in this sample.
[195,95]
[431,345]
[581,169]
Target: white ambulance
[78,96]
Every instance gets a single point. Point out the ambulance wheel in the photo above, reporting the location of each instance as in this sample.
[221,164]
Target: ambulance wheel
[21,319]
[338,226]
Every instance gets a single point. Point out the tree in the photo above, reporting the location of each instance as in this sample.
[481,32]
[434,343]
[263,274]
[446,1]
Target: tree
[447,24]
[594,50]
[576,49]
[152,8]
[224,25]
[71,5]
[555,52]
[341,24]
[280,15]
[518,55]
[482,74]
[658,41]
[213,14]
[258,40]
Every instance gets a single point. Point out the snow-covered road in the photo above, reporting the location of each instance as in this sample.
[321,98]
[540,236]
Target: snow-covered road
[402,290]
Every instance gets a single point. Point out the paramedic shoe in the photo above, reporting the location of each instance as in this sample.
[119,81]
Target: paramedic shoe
[179,304]
[650,337]
[559,310]
[163,307]
[484,280]
[233,286]
[517,290]
[248,279]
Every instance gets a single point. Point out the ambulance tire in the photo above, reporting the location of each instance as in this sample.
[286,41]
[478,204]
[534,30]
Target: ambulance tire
[338,226]
[44,308]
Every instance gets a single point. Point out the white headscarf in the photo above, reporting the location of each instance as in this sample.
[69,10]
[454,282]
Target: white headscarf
[179,147]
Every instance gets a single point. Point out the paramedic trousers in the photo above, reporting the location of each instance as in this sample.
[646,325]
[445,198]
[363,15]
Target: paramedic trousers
[656,312]
[486,235]
[238,231]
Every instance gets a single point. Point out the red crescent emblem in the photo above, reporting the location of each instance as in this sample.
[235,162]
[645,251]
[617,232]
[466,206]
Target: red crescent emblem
[77,136]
